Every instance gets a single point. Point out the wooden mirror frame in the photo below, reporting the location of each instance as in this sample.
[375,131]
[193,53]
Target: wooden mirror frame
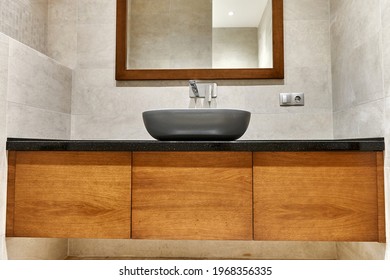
[122,73]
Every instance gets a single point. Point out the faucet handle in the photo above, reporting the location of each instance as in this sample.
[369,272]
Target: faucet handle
[203,90]
[194,88]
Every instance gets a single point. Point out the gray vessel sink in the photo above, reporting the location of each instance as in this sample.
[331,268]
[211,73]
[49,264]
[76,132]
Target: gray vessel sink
[196,124]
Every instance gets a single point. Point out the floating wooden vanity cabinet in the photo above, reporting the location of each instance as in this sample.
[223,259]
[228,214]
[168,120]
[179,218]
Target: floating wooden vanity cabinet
[69,194]
[318,196]
[192,195]
[203,195]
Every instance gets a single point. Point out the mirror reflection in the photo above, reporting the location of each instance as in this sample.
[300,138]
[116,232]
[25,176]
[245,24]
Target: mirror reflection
[201,34]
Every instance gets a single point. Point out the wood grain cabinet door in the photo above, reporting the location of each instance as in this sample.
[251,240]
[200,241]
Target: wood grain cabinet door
[69,194]
[192,195]
[318,196]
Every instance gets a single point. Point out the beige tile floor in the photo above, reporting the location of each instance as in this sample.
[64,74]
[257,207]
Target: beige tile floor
[98,249]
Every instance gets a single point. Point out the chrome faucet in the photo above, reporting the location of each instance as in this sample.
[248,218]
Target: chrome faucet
[194,88]
[205,90]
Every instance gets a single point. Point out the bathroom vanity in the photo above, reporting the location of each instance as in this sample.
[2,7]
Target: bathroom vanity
[331,190]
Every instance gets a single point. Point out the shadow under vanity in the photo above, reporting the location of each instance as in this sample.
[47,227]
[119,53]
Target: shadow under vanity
[329,190]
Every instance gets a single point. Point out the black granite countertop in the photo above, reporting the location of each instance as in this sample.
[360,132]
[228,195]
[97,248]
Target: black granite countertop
[372,144]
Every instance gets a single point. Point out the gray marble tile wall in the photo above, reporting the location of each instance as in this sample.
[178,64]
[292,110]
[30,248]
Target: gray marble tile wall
[105,109]
[360,47]
[385,12]
[61,31]
[25,21]
[356,40]
[4,48]
[39,95]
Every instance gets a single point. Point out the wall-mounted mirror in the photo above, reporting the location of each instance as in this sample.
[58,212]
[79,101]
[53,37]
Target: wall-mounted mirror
[202,39]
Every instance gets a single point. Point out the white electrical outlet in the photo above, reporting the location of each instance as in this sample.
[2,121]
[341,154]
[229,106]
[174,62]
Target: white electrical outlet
[291,99]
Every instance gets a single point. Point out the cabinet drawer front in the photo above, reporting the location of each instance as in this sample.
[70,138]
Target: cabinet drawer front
[71,195]
[197,195]
[316,196]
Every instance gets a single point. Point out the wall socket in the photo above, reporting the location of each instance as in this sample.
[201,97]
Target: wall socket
[291,99]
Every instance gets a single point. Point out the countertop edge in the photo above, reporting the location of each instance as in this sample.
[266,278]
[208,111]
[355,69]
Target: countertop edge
[368,144]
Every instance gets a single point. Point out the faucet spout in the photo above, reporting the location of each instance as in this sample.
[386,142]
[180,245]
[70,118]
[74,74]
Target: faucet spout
[194,88]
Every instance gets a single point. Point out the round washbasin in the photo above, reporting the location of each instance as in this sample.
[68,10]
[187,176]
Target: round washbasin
[196,124]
